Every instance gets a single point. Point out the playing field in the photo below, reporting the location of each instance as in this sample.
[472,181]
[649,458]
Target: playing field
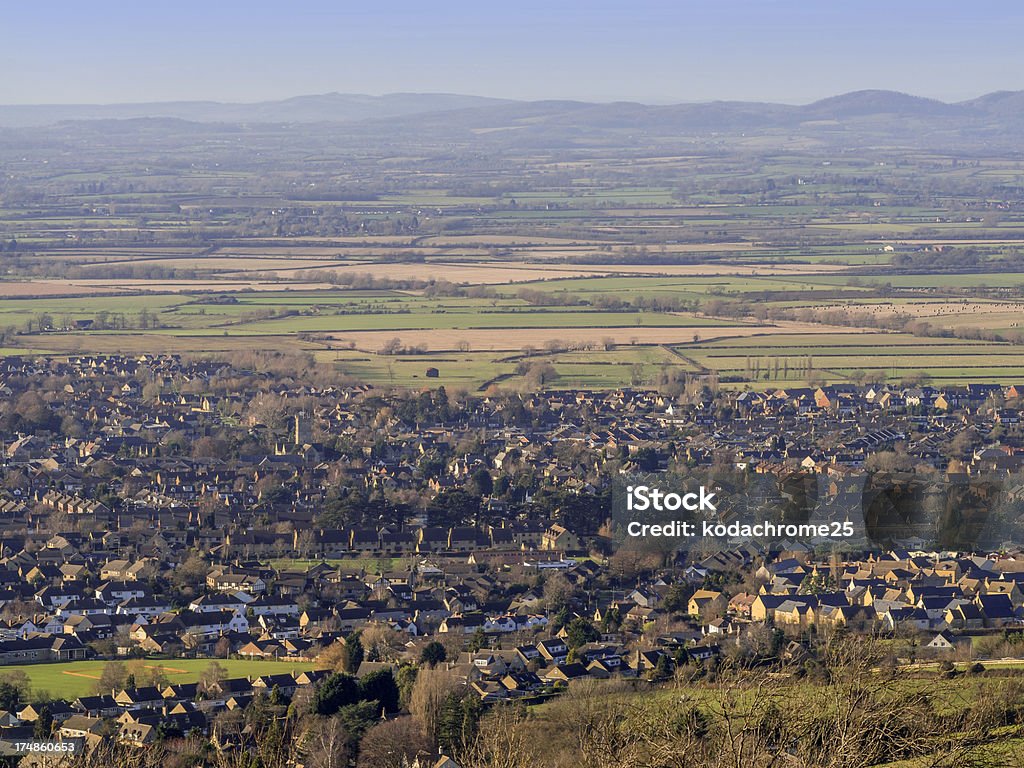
[70,680]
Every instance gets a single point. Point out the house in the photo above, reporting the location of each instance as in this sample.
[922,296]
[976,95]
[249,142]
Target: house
[528,653]
[764,606]
[796,611]
[96,706]
[964,616]
[465,624]
[704,652]
[557,537]
[605,667]
[553,650]
[997,609]
[489,690]
[521,682]
[947,641]
[563,673]
[223,690]
[79,726]
[133,699]
[312,677]
[181,692]
[740,605]
[59,710]
[285,683]
[707,601]
[137,734]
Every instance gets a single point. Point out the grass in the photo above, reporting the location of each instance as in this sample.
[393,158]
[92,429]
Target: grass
[6,351]
[455,369]
[699,286]
[837,356]
[474,318]
[498,328]
[69,680]
[983,279]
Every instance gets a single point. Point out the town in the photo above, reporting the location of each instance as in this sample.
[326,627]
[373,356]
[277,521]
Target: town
[167,520]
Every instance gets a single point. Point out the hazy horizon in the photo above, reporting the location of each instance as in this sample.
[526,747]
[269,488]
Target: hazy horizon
[304,95]
[653,52]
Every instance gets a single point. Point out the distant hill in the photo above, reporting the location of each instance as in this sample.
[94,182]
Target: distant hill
[866,103]
[328,107]
[861,117]
[998,103]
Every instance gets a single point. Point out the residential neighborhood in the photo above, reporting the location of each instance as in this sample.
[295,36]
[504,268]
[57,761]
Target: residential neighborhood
[158,509]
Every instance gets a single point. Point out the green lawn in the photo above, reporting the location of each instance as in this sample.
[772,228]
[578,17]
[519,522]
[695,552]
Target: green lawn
[69,680]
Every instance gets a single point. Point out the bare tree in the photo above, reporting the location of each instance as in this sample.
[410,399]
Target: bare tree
[387,744]
[432,687]
[324,743]
[506,739]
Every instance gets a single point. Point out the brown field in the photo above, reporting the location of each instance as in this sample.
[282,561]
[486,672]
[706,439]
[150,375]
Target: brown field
[469,273]
[510,240]
[32,288]
[928,308]
[188,286]
[114,252]
[473,273]
[229,263]
[570,251]
[139,342]
[949,241]
[500,339]
[289,244]
[497,273]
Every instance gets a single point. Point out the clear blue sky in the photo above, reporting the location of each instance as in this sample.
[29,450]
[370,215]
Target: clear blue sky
[647,50]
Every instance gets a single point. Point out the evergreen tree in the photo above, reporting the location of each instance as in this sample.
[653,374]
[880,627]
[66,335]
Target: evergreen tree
[458,722]
[355,651]
[433,653]
[43,728]
[579,632]
[663,669]
[336,691]
[381,686]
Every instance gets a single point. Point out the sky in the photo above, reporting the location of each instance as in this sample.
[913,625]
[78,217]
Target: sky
[653,51]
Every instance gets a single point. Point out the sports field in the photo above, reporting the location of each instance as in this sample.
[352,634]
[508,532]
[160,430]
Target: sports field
[69,680]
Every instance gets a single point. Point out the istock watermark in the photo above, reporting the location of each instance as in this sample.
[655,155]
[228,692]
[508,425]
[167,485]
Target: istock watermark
[817,510]
[640,498]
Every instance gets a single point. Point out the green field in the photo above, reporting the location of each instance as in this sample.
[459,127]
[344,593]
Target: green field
[473,317]
[662,240]
[456,369]
[70,680]
[835,356]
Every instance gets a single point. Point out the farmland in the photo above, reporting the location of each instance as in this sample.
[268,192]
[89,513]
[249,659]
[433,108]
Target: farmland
[391,335]
[771,264]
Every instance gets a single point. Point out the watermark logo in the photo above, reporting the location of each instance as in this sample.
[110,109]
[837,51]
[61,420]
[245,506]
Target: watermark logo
[640,498]
[819,510]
